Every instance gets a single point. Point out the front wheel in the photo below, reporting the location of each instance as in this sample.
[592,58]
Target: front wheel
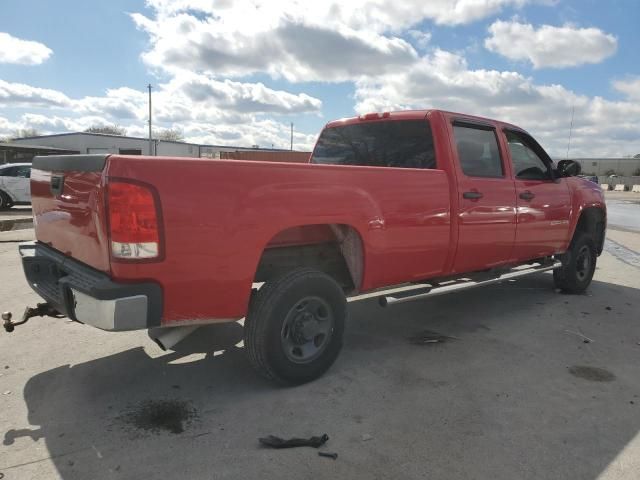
[578,265]
[295,324]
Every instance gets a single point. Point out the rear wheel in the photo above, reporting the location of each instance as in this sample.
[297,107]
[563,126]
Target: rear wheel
[295,324]
[578,265]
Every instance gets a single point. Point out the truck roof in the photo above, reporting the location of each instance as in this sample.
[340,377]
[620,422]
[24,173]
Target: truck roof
[410,115]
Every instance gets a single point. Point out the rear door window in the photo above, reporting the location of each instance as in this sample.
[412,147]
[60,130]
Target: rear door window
[397,143]
[478,151]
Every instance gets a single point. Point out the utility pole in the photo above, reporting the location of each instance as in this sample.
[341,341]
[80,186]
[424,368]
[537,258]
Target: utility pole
[150,134]
[291,136]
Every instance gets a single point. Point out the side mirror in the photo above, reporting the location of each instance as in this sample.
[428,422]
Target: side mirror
[569,168]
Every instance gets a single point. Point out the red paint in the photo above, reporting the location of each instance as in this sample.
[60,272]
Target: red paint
[218,216]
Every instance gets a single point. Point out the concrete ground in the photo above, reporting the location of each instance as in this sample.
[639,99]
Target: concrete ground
[515,392]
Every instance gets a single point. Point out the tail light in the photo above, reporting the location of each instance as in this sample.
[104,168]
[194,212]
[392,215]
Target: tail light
[134,221]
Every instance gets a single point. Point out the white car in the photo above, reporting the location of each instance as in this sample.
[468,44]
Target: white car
[15,186]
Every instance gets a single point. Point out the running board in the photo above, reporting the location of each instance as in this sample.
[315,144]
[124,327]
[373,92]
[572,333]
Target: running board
[412,292]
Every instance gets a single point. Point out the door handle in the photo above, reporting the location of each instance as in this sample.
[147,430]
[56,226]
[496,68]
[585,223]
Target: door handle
[472,195]
[527,195]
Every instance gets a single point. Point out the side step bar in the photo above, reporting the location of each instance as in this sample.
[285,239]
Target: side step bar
[412,292]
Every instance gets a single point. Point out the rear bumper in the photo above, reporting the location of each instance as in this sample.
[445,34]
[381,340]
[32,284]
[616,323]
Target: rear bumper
[87,295]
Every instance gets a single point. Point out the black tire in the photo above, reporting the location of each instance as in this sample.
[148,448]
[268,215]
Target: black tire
[5,201]
[279,323]
[578,265]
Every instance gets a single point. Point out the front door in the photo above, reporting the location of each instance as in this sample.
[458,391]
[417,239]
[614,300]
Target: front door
[486,216]
[543,203]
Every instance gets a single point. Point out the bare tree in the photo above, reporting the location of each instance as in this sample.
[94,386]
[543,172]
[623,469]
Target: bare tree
[107,129]
[25,132]
[170,134]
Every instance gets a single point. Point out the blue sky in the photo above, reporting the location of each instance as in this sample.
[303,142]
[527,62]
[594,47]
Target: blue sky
[226,74]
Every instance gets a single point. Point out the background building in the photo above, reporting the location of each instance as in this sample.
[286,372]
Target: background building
[18,153]
[624,167]
[84,142]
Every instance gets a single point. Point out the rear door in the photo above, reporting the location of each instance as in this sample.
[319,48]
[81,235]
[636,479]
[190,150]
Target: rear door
[543,203]
[486,216]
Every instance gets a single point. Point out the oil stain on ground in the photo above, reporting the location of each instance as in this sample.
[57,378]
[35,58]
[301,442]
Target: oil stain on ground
[155,416]
[593,374]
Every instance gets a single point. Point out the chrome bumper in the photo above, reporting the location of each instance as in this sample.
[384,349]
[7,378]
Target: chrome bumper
[88,295]
[127,313]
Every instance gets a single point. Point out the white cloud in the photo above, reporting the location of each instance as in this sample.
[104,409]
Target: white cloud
[444,80]
[420,39]
[20,94]
[378,15]
[549,46]
[630,87]
[23,52]
[206,109]
[281,47]
[299,40]
[241,97]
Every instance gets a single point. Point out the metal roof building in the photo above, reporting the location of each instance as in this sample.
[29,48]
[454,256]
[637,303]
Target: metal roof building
[17,152]
[84,142]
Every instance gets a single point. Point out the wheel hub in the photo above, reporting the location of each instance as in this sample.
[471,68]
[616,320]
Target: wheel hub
[583,263]
[307,329]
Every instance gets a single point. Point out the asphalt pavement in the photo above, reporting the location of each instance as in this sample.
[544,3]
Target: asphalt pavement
[526,383]
[623,210]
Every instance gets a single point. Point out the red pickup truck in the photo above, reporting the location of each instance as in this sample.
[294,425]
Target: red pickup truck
[399,205]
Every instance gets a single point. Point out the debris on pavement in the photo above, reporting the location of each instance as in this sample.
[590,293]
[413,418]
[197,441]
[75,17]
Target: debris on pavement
[276,442]
[366,437]
[329,455]
[427,336]
[585,339]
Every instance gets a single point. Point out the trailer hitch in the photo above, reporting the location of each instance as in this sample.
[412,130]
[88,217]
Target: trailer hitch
[41,310]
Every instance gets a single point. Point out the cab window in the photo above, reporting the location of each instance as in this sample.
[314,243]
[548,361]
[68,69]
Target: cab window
[527,164]
[478,151]
[391,143]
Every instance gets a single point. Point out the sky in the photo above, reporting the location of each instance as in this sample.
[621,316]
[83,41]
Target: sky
[238,72]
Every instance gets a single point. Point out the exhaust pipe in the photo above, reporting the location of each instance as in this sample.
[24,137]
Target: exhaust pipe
[167,337]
